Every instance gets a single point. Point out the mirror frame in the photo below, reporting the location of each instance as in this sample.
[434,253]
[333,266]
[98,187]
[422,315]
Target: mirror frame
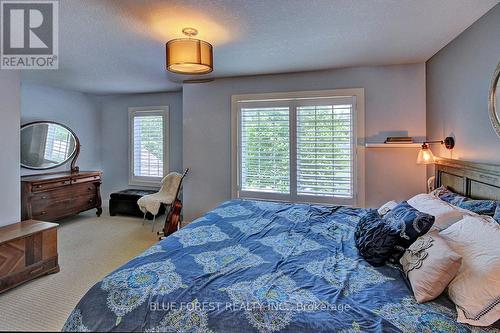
[492,107]
[73,157]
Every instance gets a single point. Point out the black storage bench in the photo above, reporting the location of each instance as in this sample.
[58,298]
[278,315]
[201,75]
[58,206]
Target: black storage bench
[125,203]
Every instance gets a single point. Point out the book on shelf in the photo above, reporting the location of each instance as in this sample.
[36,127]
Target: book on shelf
[398,139]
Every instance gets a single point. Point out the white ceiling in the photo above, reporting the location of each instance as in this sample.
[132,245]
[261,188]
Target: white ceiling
[118,46]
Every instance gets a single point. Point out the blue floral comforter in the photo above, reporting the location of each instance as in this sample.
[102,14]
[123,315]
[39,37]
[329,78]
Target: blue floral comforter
[256,266]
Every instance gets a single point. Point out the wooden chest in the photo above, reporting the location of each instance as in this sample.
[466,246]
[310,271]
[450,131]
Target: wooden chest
[53,196]
[27,250]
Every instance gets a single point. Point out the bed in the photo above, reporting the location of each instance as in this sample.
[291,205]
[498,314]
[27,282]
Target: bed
[257,266]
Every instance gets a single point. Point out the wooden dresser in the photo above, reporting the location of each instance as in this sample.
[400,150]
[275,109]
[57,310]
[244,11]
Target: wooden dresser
[27,250]
[53,196]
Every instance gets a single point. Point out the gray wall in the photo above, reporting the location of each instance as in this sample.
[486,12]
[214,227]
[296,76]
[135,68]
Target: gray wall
[458,79]
[115,140]
[394,104]
[76,110]
[10,111]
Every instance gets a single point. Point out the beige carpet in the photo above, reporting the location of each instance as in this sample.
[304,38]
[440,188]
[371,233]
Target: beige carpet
[89,249]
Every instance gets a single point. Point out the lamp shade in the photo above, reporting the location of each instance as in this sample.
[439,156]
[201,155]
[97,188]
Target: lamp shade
[425,155]
[189,56]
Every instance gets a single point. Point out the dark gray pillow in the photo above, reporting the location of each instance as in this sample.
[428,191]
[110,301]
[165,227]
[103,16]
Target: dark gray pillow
[411,224]
[375,239]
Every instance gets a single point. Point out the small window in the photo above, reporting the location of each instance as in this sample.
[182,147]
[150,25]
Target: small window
[148,145]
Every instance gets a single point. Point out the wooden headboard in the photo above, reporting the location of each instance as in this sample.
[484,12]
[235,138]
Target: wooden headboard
[475,180]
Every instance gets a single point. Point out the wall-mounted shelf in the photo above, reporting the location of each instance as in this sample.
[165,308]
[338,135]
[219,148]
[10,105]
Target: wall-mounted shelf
[393,145]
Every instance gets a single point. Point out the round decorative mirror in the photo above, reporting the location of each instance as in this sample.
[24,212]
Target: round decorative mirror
[46,145]
[494,100]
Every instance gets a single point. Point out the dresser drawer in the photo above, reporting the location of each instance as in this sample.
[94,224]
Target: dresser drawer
[49,211]
[38,187]
[52,209]
[85,180]
[84,202]
[75,190]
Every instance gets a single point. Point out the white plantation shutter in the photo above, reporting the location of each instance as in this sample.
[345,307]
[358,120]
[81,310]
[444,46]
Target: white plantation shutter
[297,149]
[265,149]
[148,144]
[325,149]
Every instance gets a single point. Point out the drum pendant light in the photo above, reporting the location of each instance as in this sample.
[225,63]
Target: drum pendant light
[189,55]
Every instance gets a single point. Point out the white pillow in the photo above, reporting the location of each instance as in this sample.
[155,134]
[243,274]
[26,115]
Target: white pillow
[387,207]
[430,265]
[444,213]
[476,288]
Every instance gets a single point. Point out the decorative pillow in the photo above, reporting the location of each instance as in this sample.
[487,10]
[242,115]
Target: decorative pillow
[375,239]
[481,207]
[410,223]
[476,288]
[444,213]
[387,207]
[430,265]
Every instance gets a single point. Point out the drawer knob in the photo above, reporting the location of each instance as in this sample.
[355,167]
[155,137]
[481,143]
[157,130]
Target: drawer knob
[39,186]
[90,201]
[44,197]
[43,213]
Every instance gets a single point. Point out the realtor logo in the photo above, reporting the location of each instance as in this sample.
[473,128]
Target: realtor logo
[29,34]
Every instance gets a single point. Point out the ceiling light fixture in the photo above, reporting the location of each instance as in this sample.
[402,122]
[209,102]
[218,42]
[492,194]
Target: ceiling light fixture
[189,55]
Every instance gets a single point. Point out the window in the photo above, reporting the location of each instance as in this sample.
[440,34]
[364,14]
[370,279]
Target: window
[148,145]
[299,147]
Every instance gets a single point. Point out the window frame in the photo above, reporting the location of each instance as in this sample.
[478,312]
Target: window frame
[148,110]
[294,99]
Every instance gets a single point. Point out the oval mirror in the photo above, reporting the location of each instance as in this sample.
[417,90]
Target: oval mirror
[494,103]
[46,145]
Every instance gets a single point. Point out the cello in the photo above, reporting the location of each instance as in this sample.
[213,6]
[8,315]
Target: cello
[172,222]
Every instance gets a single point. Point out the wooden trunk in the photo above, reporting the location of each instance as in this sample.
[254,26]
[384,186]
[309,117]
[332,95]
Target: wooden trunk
[27,250]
